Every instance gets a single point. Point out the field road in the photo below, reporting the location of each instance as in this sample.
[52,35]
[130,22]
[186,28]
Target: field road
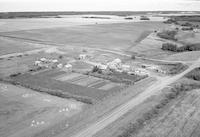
[92,129]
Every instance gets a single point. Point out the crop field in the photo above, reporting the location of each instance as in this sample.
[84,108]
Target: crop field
[111,36]
[8,46]
[8,25]
[182,119]
[185,56]
[24,112]
[87,81]
[67,85]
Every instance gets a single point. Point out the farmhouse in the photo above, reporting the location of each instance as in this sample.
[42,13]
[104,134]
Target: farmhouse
[43,59]
[60,65]
[83,56]
[115,64]
[102,67]
[126,68]
[68,67]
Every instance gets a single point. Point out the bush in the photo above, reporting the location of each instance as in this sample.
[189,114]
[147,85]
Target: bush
[96,69]
[60,57]
[144,18]
[195,74]
[170,21]
[187,24]
[15,75]
[169,46]
[133,57]
[128,18]
[187,28]
[168,35]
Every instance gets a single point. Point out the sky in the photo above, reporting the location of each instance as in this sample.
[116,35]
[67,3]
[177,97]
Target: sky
[99,5]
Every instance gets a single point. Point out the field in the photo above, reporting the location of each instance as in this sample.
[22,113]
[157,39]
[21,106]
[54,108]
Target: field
[118,36]
[68,85]
[188,37]
[150,47]
[186,56]
[8,46]
[24,112]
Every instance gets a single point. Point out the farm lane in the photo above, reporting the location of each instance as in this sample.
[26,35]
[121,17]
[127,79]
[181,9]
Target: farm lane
[123,109]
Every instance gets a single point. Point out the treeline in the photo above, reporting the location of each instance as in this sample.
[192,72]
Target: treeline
[169,34]
[195,74]
[175,48]
[194,18]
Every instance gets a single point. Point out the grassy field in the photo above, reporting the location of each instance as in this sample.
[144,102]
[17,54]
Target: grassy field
[24,112]
[111,36]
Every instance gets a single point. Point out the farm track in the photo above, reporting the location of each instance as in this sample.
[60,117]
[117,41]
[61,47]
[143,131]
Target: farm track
[123,109]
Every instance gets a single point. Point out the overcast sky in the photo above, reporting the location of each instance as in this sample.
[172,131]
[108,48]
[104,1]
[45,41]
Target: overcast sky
[99,5]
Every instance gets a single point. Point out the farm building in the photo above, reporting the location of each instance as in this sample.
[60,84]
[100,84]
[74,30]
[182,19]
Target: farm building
[37,63]
[43,59]
[115,64]
[60,65]
[83,56]
[68,67]
[102,67]
[54,61]
[126,68]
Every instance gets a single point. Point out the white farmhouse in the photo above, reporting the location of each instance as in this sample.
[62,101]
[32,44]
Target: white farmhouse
[60,65]
[68,67]
[43,59]
[37,63]
[83,56]
[102,67]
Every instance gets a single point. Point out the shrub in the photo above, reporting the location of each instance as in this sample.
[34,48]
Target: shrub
[96,69]
[195,74]
[133,57]
[169,46]
[170,21]
[128,18]
[15,75]
[168,35]
[144,18]
[60,57]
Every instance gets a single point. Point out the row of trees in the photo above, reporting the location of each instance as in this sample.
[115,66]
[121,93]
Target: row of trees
[175,48]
